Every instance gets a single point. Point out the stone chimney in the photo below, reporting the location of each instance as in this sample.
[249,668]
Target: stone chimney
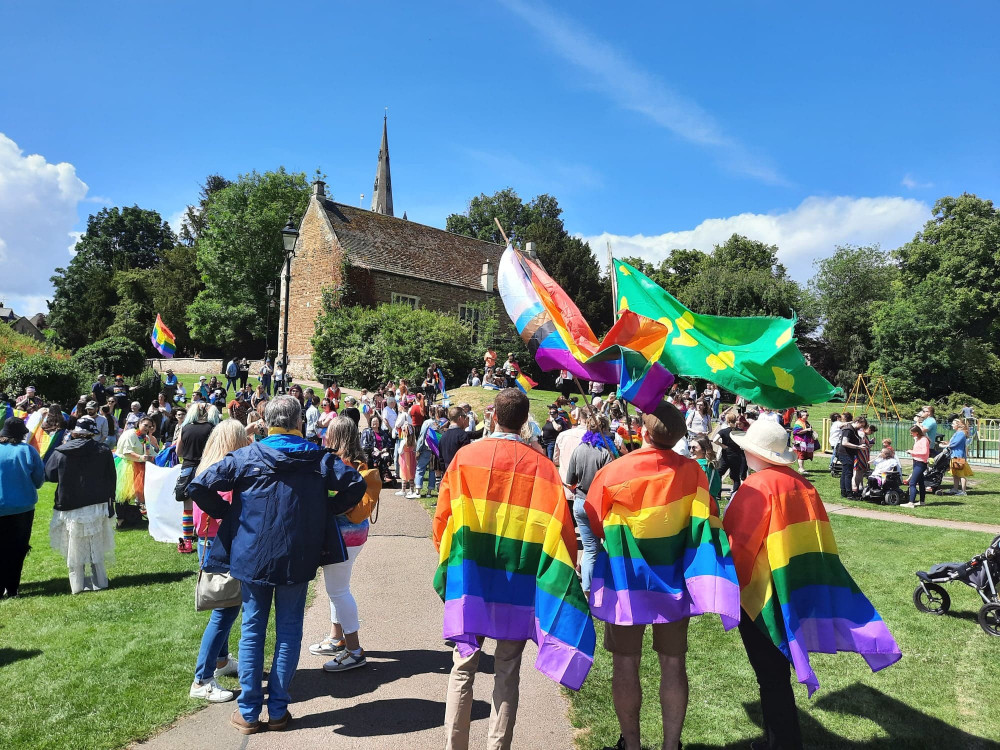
[529,250]
[319,189]
[488,277]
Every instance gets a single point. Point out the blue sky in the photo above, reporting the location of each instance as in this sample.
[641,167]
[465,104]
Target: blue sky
[656,125]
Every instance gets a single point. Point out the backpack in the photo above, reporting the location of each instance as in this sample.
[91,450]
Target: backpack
[367,509]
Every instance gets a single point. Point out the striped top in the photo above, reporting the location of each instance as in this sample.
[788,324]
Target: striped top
[792,582]
[665,556]
[508,557]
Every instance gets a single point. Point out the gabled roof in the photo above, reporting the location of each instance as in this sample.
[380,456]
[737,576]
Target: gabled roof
[7,313]
[384,243]
[26,328]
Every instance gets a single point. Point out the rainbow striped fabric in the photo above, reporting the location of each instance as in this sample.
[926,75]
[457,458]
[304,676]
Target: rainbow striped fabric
[507,565]
[46,442]
[665,555]
[522,381]
[162,339]
[793,584]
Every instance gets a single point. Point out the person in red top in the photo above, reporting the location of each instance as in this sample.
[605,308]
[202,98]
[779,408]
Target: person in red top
[333,393]
[418,412]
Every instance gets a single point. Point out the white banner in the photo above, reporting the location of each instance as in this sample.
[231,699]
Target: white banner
[163,510]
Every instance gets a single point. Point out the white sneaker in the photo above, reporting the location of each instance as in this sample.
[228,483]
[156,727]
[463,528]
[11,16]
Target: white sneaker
[231,667]
[960,493]
[412,496]
[345,661]
[211,692]
[401,493]
[907,505]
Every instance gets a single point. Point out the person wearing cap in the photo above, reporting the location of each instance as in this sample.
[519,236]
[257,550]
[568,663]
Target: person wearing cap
[103,428]
[170,385]
[774,518]
[29,401]
[554,424]
[82,529]
[665,558]
[21,474]
[202,388]
[351,410]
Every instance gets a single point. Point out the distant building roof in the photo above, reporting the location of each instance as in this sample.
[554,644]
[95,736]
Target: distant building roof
[38,320]
[26,328]
[7,314]
[384,243]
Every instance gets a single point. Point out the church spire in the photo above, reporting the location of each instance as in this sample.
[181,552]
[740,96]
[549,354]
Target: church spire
[382,195]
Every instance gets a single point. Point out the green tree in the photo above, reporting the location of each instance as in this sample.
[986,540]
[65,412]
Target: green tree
[239,252]
[195,221]
[117,239]
[111,356]
[848,287]
[674,272]
[569,260]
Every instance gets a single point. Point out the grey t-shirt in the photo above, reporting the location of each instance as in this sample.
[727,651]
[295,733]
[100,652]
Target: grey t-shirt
[584,464]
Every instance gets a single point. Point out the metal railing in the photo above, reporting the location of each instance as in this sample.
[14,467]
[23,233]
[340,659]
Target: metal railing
[983,447]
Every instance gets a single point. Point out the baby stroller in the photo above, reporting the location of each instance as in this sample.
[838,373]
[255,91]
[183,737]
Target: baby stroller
[938,468]
[381,459]
[890,492]
[982,573]
[836,468]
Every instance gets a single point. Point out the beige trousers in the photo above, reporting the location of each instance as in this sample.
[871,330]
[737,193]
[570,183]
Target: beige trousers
[506,690]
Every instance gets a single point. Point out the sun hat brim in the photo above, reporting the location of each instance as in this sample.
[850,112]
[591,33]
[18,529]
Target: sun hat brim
[784,458]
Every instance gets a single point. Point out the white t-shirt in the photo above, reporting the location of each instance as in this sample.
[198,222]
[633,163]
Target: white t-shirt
[389,416]
[770,416]
[885,466]
[835,430]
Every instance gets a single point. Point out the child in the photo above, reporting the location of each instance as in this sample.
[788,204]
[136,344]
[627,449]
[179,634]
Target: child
[887,462]
[703,452]
[408,459]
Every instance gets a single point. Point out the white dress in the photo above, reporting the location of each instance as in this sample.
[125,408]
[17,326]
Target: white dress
[83,536]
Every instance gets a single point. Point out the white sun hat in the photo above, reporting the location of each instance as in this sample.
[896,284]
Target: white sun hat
[766,439]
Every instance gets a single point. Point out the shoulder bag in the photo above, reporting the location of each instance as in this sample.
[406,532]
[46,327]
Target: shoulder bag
[215,590]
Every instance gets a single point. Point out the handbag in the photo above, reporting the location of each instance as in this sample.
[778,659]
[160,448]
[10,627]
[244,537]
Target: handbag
[958,463]
[215,590]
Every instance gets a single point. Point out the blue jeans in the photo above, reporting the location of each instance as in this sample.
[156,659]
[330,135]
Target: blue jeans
[215,641]
[289,606]
[265,380]
[917,478]
[550,448]
[424,461]
[590,543]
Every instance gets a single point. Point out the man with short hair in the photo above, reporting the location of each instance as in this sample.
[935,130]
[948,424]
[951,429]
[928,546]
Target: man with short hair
[103,428]
[100,390]
[504,577]
[279,529]
[851,437]
[455,437]
[665,559]
[28,401]
[351,410]
[232,375]
[929,424]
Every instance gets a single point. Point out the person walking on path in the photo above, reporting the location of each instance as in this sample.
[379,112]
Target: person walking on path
[796,596]
[21,474]
[653,509]
[507,550]
[590,456]
[82,530]
[272,539]
[921,454]
[232,375]
[214,659]
[343,643]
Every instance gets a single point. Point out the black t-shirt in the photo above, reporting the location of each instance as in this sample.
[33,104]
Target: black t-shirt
[728,444]
[100,394]
[549,432]
[120,392]
[452,439]
[850,433]
[194,436]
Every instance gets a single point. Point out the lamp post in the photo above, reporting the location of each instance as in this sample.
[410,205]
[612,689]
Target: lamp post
[270,303]
[289,234]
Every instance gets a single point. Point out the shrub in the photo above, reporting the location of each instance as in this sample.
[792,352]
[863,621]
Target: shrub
[115,355]
[365,347]
[58,380]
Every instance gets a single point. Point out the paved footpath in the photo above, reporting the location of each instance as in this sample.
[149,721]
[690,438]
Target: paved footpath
[884,515]
[398,699]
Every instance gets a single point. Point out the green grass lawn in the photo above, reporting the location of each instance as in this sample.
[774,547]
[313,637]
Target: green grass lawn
[940,693]
[99,669]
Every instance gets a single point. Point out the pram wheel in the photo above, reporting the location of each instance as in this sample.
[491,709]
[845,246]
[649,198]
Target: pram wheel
[934,600]
[989,619]
[892,497]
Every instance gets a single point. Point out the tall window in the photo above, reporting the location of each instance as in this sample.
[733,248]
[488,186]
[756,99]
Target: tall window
[406,299]
[468,314]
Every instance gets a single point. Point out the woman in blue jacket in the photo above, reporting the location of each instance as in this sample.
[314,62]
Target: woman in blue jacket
[21,474]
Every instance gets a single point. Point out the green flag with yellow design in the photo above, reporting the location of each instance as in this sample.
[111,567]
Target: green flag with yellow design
[753,357]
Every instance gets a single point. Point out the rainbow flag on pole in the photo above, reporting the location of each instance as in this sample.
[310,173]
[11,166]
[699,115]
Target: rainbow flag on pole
[522,381]
[162,338]
[507,565]
[792,582]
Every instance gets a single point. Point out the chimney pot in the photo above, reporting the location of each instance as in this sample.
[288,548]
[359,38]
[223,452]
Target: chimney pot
[319,189]
[529,250]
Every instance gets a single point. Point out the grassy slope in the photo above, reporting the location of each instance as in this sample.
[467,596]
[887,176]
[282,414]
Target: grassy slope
[929,697]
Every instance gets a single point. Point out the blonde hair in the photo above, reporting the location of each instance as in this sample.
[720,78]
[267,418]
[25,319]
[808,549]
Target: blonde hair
[343,438]
[224,439]
[963,425]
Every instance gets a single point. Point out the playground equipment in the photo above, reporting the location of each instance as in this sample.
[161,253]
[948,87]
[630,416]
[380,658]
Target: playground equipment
[877,397]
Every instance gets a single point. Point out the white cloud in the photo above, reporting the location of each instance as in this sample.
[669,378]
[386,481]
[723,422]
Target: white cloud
[809,231]
[178,219]
[638,90]
[38,210]
[912,183]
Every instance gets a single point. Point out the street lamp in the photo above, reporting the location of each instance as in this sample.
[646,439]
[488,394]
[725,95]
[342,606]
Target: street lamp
[289,234]
[270,303]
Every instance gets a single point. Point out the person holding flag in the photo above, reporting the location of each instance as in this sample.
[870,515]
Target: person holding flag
[428,442]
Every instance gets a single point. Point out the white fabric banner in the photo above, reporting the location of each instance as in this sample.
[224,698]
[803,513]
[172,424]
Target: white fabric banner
[163,511]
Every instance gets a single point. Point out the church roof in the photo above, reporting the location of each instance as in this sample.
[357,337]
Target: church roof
[384,243]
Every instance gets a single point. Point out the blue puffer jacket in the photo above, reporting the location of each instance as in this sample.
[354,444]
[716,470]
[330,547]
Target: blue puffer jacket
[21,474]
[281,525]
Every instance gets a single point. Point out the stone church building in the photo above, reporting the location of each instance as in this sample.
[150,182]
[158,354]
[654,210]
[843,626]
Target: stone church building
[385,259]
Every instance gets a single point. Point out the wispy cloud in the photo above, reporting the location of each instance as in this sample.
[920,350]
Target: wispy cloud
[809,231]
[633,88]
[912,183]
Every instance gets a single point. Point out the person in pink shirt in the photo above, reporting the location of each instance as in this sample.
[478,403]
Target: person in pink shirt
[920,453]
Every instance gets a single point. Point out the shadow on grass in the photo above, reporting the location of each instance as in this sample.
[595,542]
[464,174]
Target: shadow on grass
[11,655]
[60,586]
[904,725]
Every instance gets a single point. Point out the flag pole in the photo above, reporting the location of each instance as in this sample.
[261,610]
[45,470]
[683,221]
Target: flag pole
[502,233]
[614,319]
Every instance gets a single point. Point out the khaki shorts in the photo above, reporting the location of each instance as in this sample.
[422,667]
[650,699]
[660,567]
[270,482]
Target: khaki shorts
[669,638]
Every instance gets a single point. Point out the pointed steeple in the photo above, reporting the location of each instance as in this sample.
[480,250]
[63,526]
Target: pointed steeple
[382,195]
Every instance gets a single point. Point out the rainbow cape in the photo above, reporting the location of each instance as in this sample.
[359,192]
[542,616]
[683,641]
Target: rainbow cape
[46,442]
[665,555]
[507,565]
[6,413]
[162,339]
[433,440]
[559,337]
[792,582]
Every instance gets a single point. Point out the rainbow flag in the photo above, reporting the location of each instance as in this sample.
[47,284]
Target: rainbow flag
[508,557]
[444,394]
[522,381]
[6,413]
[792,582]
[433,439]
[46,442]
[163,340]
[665,555]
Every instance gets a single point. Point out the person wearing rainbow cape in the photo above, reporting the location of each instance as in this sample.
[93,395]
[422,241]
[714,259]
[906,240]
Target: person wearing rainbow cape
[796,596]
[665,559]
